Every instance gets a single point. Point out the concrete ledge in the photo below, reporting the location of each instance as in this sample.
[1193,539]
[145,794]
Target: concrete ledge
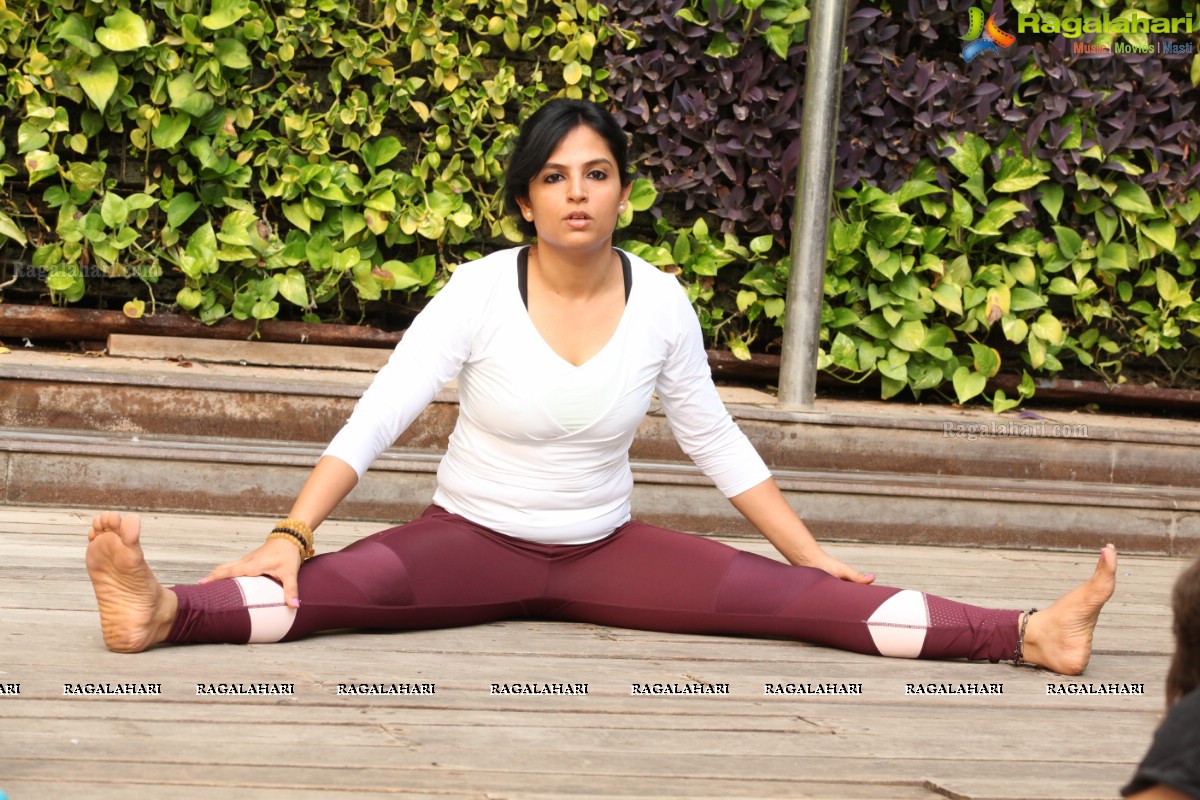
[310,406]
[174,473]
[158,435]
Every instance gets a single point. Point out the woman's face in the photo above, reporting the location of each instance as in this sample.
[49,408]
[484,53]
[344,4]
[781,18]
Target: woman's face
[575,199]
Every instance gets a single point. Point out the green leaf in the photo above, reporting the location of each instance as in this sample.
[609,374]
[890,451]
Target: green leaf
[949,297]
[1027,386]
[890,387]
[1015,329]
[40,164]
[875,326]
[113,210]
[169,130]
[12,230]
[232,53]
[99,81]
[914,189]
[894,366]
[293,287]
[319,252]
[1189,209]
[1051,199]
[1069,241]
[998,214]
[186,97]
[123,31]
[762,244]
[573,74]
[1017,174]
[908,336]
[1037,351]
[890,229]
[1106,223]
[968,155]
[642,194]
[1023,299]
[78,31]
[779,38]
[31,137]
[1131,197]
[1168,287]
[986,359]
[180,208]
[1001,403]
[295,215]
[844,352]
[968,384]
[1160,232]
[189,298]
[265,309]
[1049,329]
[1061,285]
[379,152]
[224,13]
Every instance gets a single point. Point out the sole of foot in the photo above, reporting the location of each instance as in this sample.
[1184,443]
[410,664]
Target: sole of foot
[135,610]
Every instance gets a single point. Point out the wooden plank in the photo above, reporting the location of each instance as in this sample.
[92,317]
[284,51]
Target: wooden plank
[265,354]
[465,742]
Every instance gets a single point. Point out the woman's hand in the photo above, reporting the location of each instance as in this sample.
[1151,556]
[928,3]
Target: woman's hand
[767,509]
[278,559]
[823,561]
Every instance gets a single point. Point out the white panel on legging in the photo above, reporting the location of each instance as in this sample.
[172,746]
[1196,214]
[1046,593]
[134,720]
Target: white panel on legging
[898,626]
[270,618]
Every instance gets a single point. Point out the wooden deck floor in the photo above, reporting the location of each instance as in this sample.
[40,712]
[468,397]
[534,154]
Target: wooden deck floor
[465,742]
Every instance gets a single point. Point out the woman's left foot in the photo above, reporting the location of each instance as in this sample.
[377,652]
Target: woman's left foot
[1060,637]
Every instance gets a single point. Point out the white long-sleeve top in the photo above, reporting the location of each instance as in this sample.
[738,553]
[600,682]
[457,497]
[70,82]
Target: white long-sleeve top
[541,447]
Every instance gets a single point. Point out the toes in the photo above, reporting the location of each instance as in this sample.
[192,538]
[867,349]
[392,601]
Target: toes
[130,528]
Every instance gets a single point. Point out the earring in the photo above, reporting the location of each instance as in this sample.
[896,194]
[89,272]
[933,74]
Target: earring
[621,207]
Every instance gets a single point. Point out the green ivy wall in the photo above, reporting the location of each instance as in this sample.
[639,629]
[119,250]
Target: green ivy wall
[333,161]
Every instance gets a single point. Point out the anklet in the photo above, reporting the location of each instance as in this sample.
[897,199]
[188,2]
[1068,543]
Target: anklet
[1019,653]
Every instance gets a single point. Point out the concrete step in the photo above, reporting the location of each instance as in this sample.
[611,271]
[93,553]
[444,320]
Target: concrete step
[231,439]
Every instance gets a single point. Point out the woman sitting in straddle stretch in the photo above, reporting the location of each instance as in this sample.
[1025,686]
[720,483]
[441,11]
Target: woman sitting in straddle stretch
[558,349]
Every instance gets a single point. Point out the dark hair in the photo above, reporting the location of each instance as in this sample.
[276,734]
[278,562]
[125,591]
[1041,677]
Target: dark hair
[541,133]
[1183,676]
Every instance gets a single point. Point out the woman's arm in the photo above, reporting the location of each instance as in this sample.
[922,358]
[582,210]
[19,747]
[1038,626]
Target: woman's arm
[765,507]
[327,485]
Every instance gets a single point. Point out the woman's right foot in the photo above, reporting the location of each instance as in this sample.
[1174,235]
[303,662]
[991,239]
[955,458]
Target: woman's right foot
[1060,637]
[136,612]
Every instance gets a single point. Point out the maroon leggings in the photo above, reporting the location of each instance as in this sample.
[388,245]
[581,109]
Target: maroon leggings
[442,570]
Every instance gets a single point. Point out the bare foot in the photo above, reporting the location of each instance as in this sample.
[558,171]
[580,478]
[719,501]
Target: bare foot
[135,611]
[1060,637]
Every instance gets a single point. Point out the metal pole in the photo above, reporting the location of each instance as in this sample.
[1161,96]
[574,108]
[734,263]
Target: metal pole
[814,190]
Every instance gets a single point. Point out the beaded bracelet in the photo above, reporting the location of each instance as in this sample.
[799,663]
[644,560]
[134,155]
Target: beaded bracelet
[297,531]
[291,537]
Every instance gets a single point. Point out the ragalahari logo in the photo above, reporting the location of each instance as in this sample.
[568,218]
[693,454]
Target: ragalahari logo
[984,37]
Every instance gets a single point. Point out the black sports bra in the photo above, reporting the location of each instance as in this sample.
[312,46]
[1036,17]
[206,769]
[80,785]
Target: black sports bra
[523,274]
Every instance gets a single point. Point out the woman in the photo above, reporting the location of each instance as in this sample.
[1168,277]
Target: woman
[1171,768]
[558,349]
